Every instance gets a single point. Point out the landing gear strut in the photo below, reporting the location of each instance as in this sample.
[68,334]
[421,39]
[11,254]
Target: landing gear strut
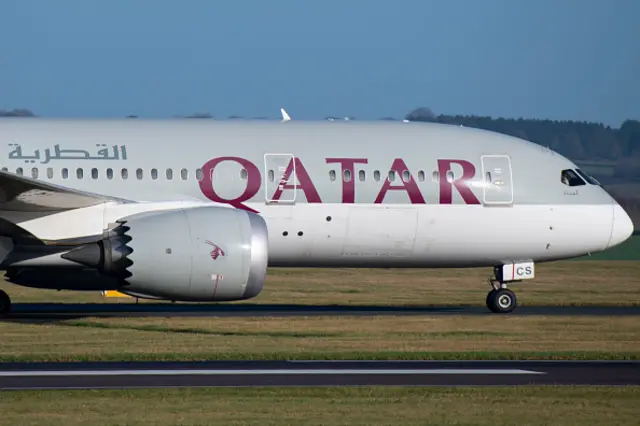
[5,304]
[500,299]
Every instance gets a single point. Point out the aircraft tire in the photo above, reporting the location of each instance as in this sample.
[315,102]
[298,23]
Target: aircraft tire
[5,304]
[501,301]
[489,300]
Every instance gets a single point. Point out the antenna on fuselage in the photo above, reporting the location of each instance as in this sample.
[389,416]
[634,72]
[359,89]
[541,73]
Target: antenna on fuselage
[285,116]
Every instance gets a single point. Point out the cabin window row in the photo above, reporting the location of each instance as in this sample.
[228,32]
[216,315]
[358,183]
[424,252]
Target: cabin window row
[184,174]
[406,176]
[94,173]
[377,176]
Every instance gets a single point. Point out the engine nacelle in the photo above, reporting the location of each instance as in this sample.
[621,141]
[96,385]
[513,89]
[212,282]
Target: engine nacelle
[196,254]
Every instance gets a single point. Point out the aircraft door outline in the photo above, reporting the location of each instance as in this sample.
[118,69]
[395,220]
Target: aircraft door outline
[497,176]
[275,168]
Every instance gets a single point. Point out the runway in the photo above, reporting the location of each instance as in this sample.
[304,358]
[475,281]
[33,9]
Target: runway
[21,376]
[44,312]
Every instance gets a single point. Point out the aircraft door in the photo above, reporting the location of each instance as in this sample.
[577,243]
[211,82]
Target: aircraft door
[280,179]
[498,180]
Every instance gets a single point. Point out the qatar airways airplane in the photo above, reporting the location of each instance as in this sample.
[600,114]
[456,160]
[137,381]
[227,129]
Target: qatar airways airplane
[195,210]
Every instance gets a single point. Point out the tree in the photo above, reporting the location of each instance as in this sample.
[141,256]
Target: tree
[19,112]
[630,137]
[571,146]
[200,115]
[421,114]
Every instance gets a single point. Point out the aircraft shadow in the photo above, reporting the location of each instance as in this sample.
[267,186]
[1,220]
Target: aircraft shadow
[51,312]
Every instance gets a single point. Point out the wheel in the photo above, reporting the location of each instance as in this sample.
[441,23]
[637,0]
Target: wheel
[501,301]
[489,300]
[5,304]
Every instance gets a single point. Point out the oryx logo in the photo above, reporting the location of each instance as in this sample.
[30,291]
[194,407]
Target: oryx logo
[216,252]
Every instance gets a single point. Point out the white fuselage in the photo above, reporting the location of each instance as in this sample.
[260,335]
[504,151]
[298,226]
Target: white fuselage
[323,215]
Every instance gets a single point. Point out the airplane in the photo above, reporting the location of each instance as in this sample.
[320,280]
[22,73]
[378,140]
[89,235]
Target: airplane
[196,210]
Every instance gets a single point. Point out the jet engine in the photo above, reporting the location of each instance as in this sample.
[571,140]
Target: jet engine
[196,254]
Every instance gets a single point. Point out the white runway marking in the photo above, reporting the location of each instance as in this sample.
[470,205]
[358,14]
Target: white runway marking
[256,372]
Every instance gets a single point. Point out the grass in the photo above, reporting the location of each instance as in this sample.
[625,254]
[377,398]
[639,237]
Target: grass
[357,337]
[566,283]
[385,337]
[327,406]
[629,250]
[435,337]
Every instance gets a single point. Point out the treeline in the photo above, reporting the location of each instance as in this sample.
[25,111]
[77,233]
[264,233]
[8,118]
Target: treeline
[20,112]
[578,140]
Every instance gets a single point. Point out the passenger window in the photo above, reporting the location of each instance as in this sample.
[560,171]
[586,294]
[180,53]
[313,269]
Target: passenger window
[94,173]
[19,171]
[199,174]
[347,175]
[243,174]
[421,176]
[124,174]
[571,178]
[154,174]
[34,173]
[488,177]
[184,174]
[271,176]
[79,173]
[361,175]
[50,172]
[139,174]
[406,176]
[392,176]
[169,174]
[332,175]
[109,174]
[65,173]
[376,175]
[435,176]
[449,176]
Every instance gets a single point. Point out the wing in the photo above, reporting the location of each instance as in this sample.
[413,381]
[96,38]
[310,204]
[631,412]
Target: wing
[23,194]
[24,198]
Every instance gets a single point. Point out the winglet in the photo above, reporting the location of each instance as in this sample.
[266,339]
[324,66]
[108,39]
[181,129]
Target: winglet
[285,116]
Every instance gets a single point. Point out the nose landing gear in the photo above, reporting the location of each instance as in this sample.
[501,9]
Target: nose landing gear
[500,299]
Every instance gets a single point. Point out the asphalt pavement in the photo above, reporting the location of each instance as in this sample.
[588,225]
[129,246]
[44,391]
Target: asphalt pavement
[103,375]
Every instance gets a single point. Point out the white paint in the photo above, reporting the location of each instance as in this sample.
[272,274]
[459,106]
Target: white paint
[518,271]
[531,217]
[95,219]
[262,372]
[388,235]
[622,226]
[432,235]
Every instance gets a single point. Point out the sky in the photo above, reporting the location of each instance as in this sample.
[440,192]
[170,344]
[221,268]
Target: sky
[556,59]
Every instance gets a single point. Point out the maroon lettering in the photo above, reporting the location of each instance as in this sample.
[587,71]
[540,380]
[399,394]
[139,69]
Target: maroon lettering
[446,187]
[411,186]
[303,180]
[348,187]
[254,179]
